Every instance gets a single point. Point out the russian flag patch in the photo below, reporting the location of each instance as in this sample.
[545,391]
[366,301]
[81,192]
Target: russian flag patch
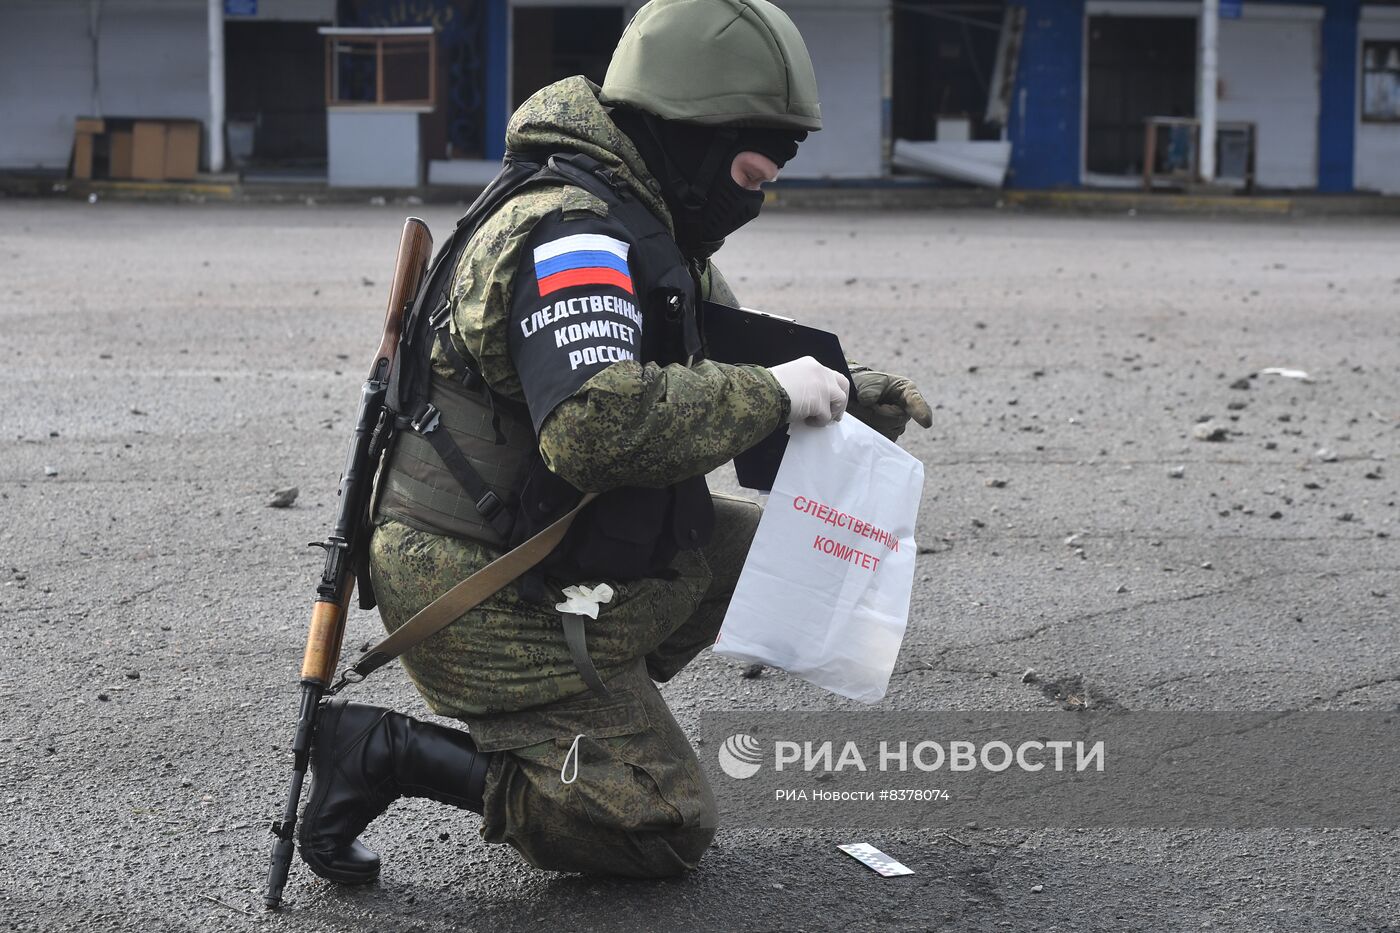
[582,259]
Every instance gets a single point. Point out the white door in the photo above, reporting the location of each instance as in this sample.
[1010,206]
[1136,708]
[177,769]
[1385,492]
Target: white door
[847,48]
[1269,75]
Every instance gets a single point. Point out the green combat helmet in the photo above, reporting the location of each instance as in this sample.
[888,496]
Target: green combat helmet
[715,62]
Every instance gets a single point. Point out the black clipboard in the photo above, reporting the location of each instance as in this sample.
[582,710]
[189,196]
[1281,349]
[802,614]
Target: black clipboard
[741,335]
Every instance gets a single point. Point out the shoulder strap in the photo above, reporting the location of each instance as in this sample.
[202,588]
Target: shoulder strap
[672,272]
[409,380]
[409,383]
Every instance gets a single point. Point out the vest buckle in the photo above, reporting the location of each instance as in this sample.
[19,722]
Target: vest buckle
[489,505]
[440,313]
[426,421]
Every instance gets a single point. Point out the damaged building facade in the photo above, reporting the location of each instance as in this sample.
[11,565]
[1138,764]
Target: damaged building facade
[1038,94]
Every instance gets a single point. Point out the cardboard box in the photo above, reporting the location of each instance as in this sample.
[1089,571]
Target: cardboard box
[85,132]
[82,155]
[148,150]
[119,162]
[181,149]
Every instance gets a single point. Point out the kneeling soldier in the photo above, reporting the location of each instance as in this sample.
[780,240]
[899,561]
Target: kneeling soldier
[566,359]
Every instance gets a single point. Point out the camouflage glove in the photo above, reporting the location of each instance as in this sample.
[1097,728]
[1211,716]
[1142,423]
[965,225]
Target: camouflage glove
[886,402]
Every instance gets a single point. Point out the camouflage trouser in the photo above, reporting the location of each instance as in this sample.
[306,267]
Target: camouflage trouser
[640,805]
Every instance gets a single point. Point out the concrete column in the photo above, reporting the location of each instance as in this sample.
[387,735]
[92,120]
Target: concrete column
[497,74]
[216,86]
[1045,120]
[886,88]
[1210,79]
[1337,118]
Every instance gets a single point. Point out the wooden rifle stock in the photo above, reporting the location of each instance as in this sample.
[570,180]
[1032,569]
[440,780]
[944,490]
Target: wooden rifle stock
[323,639]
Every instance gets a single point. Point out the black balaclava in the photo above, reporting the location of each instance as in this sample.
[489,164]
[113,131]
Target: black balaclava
[692,163]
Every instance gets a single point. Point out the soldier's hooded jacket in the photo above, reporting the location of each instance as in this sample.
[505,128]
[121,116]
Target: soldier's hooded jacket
[549,304]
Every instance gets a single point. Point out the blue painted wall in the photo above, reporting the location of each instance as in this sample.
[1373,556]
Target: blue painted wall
[1044,124]
[1336,125]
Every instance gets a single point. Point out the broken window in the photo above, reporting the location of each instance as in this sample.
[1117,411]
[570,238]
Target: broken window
[1380,82]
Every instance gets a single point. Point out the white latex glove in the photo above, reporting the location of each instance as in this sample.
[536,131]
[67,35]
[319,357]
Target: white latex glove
[584,600]
[818,394]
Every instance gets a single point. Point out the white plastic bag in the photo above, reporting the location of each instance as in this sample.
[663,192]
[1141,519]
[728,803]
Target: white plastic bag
[825,591]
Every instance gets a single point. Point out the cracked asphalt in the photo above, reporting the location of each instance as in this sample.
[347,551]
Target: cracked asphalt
[168,367]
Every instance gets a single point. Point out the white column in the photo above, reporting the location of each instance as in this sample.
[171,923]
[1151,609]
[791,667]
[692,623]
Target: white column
[1210,76]
[216,85]
[886,89]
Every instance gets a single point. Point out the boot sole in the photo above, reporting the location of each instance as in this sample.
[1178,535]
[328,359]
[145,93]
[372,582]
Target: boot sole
[313,862]
[330,719]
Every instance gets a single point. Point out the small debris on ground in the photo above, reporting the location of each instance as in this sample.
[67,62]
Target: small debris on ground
[1209,431]
[283,498]
[1176,472]
[752,672]
[1122,588]
[1326,455]
[50,471]
[1287,373]
[995,483]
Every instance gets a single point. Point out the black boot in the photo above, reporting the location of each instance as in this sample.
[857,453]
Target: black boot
[363,759]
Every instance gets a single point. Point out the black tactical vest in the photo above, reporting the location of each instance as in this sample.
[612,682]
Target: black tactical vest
[465,461]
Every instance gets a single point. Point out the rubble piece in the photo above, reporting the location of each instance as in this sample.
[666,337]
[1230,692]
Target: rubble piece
[1209,431]
[283,498]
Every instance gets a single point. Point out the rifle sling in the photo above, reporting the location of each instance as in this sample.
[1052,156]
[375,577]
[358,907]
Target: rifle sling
[472,592]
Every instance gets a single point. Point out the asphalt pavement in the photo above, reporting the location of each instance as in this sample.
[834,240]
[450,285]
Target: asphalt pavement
[168,367]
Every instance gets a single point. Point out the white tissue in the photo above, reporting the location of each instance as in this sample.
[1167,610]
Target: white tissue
[584,600]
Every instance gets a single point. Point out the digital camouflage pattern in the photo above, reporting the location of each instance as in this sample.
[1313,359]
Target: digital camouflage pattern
[640,806]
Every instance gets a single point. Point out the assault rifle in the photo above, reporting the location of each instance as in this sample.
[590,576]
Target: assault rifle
[346,548]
